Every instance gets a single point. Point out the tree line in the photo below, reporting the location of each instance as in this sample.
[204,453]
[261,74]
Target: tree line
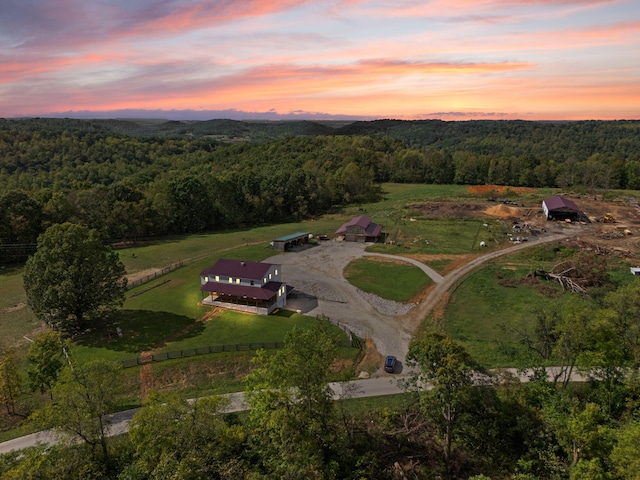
[129,187]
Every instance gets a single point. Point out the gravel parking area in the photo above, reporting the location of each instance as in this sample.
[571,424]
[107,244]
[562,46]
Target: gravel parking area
[316,273]
[321,289]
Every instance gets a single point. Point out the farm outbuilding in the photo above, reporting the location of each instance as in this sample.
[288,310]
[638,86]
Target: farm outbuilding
[359,229]
[284,244]
[560,208]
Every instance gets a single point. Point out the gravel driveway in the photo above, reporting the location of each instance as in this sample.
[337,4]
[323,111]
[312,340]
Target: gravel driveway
[316,273]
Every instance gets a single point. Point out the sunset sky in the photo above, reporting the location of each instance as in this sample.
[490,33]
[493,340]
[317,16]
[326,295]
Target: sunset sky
[406,59]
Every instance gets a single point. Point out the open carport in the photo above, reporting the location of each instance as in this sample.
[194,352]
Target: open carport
[286,243]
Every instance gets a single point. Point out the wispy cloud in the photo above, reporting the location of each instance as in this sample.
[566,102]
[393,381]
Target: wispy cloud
[402,58]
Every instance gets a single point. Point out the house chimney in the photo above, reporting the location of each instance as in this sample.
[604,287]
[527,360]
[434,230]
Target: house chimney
[243,264]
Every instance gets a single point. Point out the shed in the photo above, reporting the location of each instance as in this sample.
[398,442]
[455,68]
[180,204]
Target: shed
[560,208]
[284,244]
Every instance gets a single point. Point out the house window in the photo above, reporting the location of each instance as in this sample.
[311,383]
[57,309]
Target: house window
[230,279]
[206,279]
[237,280]
[276,271]
[269,276]
[217,278]
[264,280]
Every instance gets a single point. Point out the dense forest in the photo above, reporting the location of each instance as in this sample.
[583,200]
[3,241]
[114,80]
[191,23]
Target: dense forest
[132,179]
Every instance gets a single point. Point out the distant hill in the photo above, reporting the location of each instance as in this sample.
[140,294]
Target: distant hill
[542,140]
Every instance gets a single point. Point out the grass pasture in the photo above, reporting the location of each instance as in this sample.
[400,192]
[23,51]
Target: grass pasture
[178,298]
[16,318]
[485,316]
[369,274]
[449,236]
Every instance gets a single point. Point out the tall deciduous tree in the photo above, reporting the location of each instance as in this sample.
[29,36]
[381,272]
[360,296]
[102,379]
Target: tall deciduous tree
[45,357]
[292,414]
[448,368]
[10,381]
[84,395]
[72,274]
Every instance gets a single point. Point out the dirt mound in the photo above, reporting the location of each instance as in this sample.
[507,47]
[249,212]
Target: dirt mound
[498,189]
[503,211]
[451,209]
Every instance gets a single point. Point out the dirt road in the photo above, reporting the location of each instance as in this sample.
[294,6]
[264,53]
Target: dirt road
[316,273]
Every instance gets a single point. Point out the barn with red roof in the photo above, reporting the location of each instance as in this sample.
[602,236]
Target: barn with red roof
[359,229]
[560,208]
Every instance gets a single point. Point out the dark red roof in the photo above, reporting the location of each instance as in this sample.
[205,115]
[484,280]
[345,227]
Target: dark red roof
[259,293]
[373,229]
[362,221]
[556,203]
[238,269]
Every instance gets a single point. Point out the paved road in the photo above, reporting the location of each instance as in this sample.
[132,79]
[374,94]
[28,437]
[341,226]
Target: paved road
[119,422]
[371,387]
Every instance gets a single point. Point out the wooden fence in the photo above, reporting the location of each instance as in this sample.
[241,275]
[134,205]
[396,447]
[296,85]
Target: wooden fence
[190,352]
[157,273]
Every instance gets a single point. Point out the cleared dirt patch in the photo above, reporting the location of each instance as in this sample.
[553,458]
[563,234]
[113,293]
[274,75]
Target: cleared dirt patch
[498,189]
[372,359]
[504,211]
[15,308]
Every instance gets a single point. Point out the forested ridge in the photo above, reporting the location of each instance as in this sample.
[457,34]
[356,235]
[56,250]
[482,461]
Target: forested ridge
[132,179]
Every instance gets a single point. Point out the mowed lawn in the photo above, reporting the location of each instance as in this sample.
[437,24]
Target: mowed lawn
[387,278]
[16,318]
[165,315]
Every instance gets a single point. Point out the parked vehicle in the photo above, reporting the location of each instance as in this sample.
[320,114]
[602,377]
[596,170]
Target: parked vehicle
[390,364]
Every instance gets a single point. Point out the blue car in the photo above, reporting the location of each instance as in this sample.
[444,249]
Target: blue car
[390,364]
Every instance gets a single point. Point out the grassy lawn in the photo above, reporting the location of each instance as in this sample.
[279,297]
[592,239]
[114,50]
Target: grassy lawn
[484,316]
[372,275]
[488,311]
[442,236]
[253,244]
[164,315]
[250,244]
[16,318]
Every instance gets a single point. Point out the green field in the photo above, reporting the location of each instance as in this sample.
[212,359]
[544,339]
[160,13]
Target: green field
[200,251]
[492,307]
[170,303]
[368,273]
[163,315]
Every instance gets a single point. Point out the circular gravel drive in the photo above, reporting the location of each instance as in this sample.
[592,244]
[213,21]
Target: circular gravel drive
[316,273]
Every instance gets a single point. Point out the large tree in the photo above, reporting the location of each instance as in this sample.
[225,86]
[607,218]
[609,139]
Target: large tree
[72,274]
[445,375]
[84,395]
[292,416]
[45,357]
